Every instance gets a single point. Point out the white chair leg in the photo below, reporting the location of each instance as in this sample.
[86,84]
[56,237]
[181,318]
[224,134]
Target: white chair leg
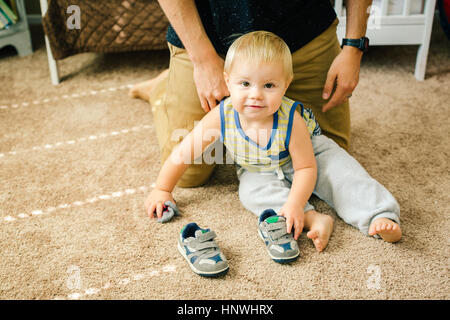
[422,53]
[421,62]
[52,64]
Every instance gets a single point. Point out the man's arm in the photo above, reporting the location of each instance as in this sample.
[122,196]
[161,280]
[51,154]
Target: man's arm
[345,68]
[208,66]
[357,15]
[184,17]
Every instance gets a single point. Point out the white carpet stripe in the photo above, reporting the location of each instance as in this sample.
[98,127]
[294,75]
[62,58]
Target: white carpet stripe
[150,273]
[78,203]
[65,96]
[72,142]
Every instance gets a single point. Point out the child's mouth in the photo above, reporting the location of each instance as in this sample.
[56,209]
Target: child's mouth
[253,106]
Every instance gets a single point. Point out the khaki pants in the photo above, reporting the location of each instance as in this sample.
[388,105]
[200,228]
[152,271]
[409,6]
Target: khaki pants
[176,105]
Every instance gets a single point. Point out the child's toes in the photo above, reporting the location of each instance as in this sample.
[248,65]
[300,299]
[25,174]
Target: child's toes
[372,230]
[318,244]
[313,234]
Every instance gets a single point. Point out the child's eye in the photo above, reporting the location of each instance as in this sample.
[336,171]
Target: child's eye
[269,85]
[245,83]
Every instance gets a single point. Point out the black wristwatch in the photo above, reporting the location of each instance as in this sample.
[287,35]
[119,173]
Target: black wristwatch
[362,44]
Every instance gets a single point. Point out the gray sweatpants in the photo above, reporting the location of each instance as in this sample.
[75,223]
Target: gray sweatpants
[341,182]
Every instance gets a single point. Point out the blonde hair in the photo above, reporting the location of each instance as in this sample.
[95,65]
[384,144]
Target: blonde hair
[260,47]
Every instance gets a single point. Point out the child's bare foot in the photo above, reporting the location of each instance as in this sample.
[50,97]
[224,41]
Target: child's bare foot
[320,227]
[386,229]
[142,90]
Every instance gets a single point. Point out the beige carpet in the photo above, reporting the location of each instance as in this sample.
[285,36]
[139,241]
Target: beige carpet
[77,160]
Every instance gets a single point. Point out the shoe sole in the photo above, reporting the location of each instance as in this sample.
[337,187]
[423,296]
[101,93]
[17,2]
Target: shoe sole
[212,274]
[278,260]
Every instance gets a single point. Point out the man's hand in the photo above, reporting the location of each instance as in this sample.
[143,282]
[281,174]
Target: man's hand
[344,74]
[294,217]
[155,201]
[210,83]
[208,66]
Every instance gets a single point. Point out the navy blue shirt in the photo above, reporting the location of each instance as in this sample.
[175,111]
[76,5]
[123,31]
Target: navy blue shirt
[297,22]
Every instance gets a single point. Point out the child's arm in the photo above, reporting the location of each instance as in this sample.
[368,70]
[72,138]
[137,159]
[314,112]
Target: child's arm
[207,131]
[304,164]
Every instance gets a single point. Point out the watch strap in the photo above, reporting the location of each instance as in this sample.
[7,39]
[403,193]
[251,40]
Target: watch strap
[351,42]
[362,43]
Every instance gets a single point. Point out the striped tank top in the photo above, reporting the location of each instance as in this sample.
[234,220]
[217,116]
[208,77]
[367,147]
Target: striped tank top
[246,152]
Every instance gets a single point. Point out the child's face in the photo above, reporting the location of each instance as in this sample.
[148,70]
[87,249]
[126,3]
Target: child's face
[256,90]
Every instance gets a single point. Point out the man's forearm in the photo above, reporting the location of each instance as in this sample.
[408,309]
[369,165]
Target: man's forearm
[357,15]
[184,18]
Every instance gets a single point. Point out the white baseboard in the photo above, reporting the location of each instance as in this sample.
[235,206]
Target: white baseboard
[34,18]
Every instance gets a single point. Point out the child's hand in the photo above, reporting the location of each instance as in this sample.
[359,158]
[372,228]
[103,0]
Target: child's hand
[294,217]
[155,201]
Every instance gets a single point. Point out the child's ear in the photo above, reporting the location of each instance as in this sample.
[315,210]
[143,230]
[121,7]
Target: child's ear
[226,77]
[288,82]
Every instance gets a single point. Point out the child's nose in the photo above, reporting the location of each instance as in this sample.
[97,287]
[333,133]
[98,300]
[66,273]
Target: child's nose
[256,93]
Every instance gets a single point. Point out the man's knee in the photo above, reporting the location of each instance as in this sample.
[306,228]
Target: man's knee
[196,175]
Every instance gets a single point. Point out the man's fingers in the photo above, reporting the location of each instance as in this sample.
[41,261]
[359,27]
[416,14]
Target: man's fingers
[209,103]
[329,85]
[212,102]
[219,95]
[338,97]
[343,91]
[204,103]
[224,93]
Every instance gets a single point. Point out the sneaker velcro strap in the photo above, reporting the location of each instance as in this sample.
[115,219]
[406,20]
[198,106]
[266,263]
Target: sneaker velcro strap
[276,226]
[207,236]
[275,235]
[206,245]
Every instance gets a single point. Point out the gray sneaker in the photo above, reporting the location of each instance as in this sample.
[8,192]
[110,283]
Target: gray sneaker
[203,255]
[281,246]
[169,211]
